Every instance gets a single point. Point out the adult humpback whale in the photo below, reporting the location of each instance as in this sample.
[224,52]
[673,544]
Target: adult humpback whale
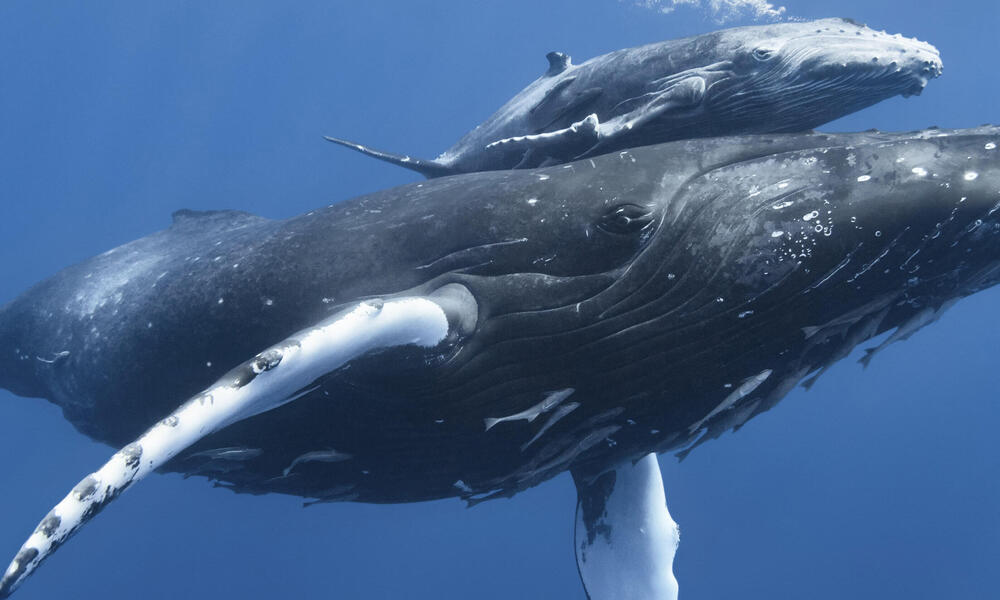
[784,77]
[495,329]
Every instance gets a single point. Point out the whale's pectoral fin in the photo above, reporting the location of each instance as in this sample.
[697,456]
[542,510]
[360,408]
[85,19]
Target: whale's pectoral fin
[270,379]
[428,168]
[625,538]
[561,105]
[683,94]
[561,145]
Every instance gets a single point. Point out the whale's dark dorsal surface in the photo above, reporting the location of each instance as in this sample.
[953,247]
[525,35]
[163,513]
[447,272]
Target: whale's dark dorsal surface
[784,77]
[473,336]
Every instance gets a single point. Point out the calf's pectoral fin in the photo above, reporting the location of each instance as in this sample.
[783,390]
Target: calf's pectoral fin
[267,381]
[625,538]
[562,144]
[683,94]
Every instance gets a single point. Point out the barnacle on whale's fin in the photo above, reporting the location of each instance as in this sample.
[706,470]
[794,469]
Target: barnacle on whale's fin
[275,377]
[428,168]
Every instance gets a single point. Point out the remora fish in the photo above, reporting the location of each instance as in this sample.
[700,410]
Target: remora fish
[784,77]
[707,267]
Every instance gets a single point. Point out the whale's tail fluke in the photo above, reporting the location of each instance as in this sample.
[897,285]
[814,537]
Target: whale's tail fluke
[428,168]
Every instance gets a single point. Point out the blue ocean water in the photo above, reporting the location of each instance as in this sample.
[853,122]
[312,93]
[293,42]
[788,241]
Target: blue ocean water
[877,483]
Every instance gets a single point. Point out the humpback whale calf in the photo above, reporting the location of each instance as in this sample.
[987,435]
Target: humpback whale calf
[474,336]
[785,77]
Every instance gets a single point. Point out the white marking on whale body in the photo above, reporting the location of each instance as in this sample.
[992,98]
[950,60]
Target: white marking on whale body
[552,400]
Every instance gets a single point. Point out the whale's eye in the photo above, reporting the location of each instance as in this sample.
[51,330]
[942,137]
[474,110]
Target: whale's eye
[624,219]
[763,54]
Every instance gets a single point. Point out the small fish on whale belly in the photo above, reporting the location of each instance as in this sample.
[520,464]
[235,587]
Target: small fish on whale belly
[316,456]
[784,77]
[551,401]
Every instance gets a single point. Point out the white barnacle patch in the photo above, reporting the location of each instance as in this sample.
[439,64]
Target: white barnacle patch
[809,216]
[532,201]
[970,176]
[781,205]
[919,171]
[777,233]
[864,178]
[990,146]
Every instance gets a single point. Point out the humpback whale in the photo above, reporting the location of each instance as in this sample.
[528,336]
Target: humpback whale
[784,77]
[428,341]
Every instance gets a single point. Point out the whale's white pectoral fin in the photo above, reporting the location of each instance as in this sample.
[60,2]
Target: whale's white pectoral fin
[267,381]
[625,538]
[582,131]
